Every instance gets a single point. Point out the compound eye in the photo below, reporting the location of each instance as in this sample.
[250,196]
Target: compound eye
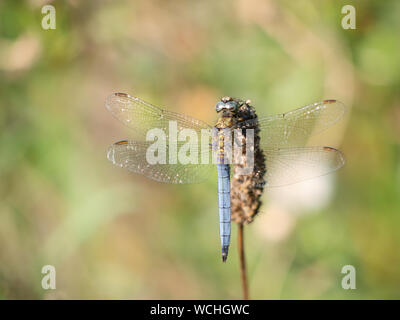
[232,105]
[220,105]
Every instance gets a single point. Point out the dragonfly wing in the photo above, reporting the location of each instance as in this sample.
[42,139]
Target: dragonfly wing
[142,116]
[290,165]
[136,156]
[293,129]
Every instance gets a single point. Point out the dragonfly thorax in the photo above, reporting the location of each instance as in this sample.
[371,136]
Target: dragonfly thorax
[233,111]
[227,120]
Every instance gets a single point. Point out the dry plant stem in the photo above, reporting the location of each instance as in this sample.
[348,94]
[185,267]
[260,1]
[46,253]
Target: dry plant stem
[242,259]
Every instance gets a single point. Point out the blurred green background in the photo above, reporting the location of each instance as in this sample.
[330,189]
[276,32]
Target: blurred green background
[112,234]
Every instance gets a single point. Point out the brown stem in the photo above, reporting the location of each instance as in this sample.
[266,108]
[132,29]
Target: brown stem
[242,259]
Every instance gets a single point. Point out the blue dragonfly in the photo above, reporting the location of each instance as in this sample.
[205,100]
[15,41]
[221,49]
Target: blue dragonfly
[279,146]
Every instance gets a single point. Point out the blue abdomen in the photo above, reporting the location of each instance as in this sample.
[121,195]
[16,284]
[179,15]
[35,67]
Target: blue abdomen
[224,207]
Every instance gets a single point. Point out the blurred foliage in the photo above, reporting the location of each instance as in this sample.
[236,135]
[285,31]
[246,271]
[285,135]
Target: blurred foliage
[111,234]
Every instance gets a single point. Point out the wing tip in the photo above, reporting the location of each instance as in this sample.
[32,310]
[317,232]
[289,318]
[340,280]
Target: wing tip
[111,150]
[337,102]
[111,97]
[338,153]
[111,154]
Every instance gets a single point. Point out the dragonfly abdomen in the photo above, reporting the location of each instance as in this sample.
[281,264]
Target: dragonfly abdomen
[224,186]
[224,208]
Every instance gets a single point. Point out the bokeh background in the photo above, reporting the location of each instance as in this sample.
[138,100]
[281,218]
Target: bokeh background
[112,234]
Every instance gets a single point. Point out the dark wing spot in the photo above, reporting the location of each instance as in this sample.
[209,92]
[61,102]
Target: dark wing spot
[121,142]
[120,94]
[329,101]
[330,149]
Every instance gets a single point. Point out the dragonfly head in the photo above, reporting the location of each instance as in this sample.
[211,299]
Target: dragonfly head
[227,104]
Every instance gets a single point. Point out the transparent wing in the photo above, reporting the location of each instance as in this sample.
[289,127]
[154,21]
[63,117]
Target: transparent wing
[293,129]
[142,116]
[133,155]
[290,165]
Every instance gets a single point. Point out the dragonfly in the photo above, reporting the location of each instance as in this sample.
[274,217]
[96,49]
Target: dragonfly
[279,147]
